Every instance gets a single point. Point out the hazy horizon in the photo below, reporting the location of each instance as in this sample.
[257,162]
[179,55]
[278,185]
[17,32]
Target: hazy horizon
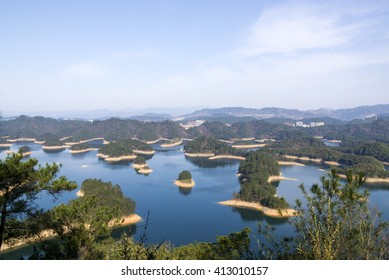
[59,56]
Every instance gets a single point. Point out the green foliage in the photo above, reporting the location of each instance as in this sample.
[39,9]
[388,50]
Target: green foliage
[338,224]
[79,147]
[20,184]
[116,149]
[231,247]
[53,143]
[24,149]
[184,175]
[124,147]
[108,195]
[205,144]
[140,160]
[255,172]
[83,222]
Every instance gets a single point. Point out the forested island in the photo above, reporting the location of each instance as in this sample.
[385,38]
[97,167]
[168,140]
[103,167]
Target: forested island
[185,180]
[256,191]
[211,148]
[124,150]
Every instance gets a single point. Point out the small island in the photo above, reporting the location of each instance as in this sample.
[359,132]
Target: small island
[116,151]
[54,145]
[141,167]
[185,180]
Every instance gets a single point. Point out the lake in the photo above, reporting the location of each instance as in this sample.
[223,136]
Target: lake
[179,215]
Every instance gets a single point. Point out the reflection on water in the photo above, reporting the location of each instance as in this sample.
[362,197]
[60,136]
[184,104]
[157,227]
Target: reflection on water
[249,215]
[185,191]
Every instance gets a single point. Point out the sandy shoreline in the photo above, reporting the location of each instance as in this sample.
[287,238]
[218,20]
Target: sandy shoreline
[332,163]
[53,148]
[249,146]
[46,234]
[318,160]
[279,178]
[333,141]
[145,171]
[227,157]
[5,145]
[167,145]
[184,185]
[275,213]
[21,140]
[116,159]
[199,155]
[40,142]
[83,151]
[80,193]
[156,141]
[139,166]
[225,141]
[140,152]
[290,163]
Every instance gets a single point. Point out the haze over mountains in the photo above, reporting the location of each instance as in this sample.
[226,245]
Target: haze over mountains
[159,114]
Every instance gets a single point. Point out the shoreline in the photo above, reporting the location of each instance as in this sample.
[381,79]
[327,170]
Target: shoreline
[368,179]
[287,163]
[46,234]
[5,145]
[249,146]
[53,148]
[145,171]
[140,152]
[275,178]
[115,159]
[83,151]
[184,185]
[139,166]
[156,141]
[227,157]
[168,145]
[199,155]
[274,213]
[80,193]
[22,139]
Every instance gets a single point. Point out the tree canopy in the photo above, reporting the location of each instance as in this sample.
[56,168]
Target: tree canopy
[20,184]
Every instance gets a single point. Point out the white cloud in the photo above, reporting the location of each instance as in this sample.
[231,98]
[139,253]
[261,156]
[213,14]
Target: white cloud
[291,28]
[85,70]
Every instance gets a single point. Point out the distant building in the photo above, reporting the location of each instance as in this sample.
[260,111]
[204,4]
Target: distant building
[311,124]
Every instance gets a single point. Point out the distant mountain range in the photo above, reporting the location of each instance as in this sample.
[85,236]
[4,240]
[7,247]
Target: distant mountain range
[225,114]
[274,112]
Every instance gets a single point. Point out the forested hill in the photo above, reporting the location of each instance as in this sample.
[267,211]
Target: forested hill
[41,128]
[111,129]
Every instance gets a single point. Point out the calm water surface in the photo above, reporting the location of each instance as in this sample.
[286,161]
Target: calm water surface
[179,215]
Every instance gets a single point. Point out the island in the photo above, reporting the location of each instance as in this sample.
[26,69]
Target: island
[110,196]
[54,145]
[117,151]
[256,192]
[185,180]
[81,148]
[141,167]
[211,148]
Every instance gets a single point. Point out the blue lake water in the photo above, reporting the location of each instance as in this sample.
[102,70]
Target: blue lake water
[179,215]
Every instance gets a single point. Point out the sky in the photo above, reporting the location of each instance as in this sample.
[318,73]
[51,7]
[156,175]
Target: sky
[91,54]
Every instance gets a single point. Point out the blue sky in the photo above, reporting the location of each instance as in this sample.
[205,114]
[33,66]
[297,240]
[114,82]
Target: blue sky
[85,55]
